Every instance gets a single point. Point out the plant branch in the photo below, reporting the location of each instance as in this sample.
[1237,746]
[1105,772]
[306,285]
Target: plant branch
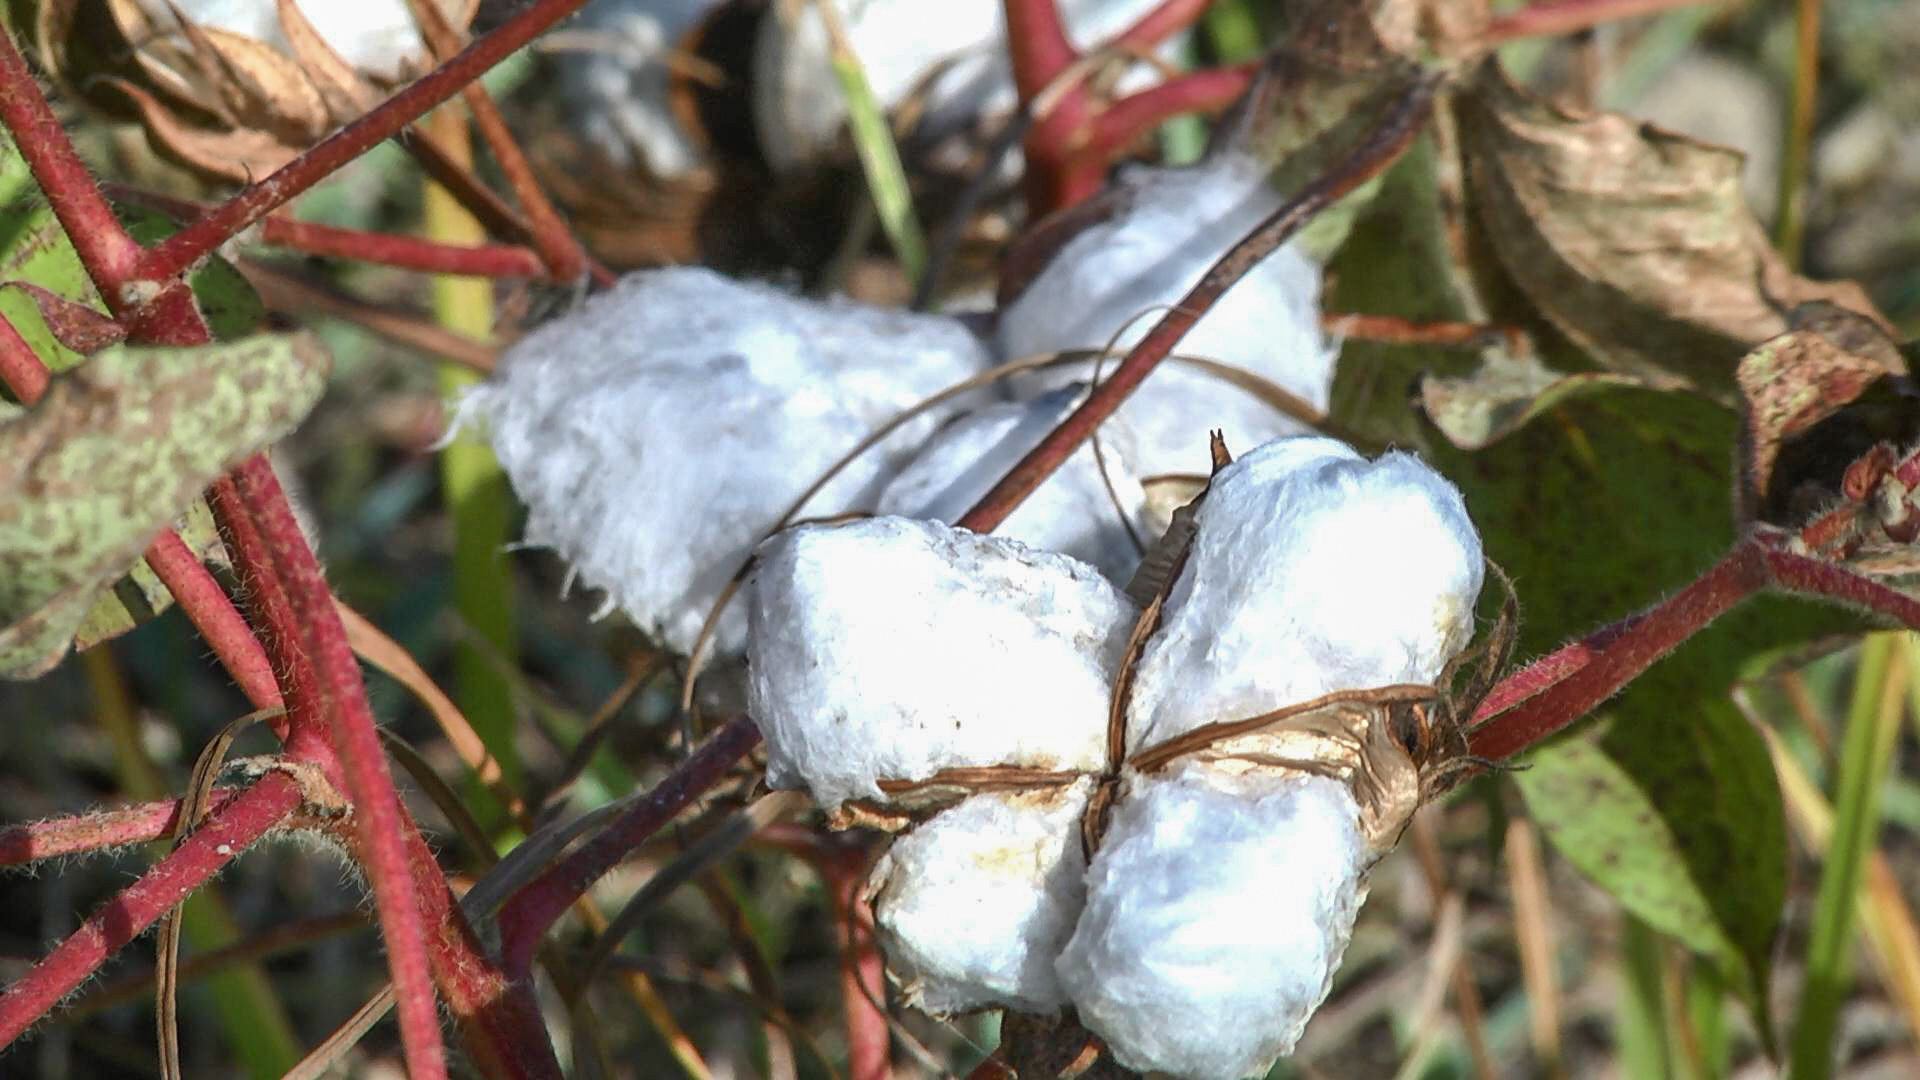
[20,367]
[99,830]
[220,624]
[196,241]
[401,250]
[215,843]
[1394,134]
[103,246]
[525,918]
[1164,21]
[1136,116]
[380,824]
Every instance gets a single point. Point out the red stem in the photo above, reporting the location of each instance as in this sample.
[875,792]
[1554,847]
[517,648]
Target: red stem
[380,826]
[1136,116]
[169,881]
[1037,45]
[103,246]
[1156,26]
[1553,692]
[20,367]
[219,622]
[406,252]
[862,968]
[1041,53]
[193,243]
[1569,16]
[525,917]
[100,830]
[1378,151]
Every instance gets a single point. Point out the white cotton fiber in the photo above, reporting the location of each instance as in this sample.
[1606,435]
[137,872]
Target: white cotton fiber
[974,904]
[1120,273]
[1312,570]
[948,58]
[892,649]
[612,72]
[1076,512]
[657,432]
[1217,910]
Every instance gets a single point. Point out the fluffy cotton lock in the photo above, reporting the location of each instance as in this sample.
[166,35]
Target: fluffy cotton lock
[1081,510]
[1312,570]
[974,904]
[1217,910]
[1120,274]
[891,649]
[658,432]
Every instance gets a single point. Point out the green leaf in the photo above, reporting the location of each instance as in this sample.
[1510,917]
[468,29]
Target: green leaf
[1602,498]
[116,450]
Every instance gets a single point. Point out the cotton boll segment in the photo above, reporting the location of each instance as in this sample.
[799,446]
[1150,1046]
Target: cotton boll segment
[659,431]
[378,37]
[974,904]
[1078,511]
[1217,910]
[1171,226]
[612,72]
[892,649]
[1312,570]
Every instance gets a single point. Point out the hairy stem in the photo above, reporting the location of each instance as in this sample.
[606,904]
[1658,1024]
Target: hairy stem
[242,821]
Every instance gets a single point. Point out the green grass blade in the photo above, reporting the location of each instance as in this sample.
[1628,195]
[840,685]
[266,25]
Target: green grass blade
[1640,1030]
[1873,720]
[478,500]
[873,141]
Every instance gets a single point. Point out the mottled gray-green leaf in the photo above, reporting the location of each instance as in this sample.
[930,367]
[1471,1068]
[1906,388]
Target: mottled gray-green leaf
[116,450]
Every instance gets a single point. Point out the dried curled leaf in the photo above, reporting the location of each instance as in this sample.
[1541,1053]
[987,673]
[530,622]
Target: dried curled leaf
[115,451]
[1636,243]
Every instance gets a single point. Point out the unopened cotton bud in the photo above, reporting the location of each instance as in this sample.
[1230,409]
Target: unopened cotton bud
[1122,273]
[1217,909]
[974,904]
[890,649]
[660,430]
[1312,570]
[1082,510]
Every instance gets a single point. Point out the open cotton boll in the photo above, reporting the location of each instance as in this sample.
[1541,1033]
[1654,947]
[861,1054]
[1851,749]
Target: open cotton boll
[1120,274]
[893,648]
[950,58]
[974,904]
[612,71]
[1077,512]
[1217,910]
[659,431]
[1312,570]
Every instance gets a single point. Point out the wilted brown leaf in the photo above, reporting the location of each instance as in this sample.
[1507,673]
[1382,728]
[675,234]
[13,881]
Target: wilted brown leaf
[1634,242]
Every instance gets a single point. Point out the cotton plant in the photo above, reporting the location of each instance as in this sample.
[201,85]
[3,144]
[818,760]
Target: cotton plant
[616,61]
[1161,818]
[1104,288]
[378,37]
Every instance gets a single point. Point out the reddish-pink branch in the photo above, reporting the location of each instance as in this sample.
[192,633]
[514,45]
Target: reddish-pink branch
[862,969]
[380,826]
[406,252]
[212,613]
[1164,21]
[1566,685]
[1135,116]
[525,918]
[96,234]
[1395,132]
[1041,53]
[215,843]
[1569,16]
[20,368]
[99,830]
[194,242]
